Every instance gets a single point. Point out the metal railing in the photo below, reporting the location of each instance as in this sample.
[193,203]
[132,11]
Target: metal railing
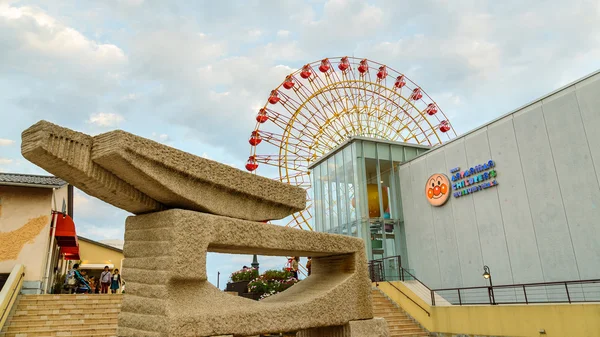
[390,269]
[526,293]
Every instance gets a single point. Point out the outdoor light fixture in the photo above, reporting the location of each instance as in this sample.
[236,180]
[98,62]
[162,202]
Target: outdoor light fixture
[488,276]
[486,272]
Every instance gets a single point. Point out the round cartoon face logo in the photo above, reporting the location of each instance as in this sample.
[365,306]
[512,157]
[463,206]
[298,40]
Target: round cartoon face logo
[437,189]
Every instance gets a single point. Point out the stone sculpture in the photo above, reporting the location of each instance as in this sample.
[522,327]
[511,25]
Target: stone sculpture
[187,206]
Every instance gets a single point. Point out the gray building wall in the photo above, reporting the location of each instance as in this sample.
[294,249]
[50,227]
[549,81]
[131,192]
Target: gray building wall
[541,223]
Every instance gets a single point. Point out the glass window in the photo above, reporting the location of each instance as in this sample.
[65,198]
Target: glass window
[317,199]
[350,191]
[325,196]
[370,150]
[343,197]
[333,195]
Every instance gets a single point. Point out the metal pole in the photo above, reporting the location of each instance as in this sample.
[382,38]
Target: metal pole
[492,291]
[50,251]
[218,277]
[567,289]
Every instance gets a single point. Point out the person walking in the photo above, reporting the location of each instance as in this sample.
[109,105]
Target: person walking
[295,267]
[309,265]
[105,280]
[116,282]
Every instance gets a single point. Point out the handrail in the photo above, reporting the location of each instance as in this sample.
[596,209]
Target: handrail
[414,277]
[523,286]
[390,283]
[10,282]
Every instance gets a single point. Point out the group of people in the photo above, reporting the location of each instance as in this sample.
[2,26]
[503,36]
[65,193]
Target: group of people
[78,281]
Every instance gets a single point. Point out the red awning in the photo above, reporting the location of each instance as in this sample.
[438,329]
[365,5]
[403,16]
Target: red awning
[65,231]
[70,253]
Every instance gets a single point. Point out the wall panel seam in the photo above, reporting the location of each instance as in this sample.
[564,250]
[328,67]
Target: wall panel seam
[537,247]
[560,190]
[512,274]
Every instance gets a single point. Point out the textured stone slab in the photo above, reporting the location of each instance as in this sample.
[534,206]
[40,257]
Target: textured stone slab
[68,154]
[179,179]
[143,176]
[174,298]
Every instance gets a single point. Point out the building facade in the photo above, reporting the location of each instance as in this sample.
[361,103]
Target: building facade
[357,192]
[26,205]
[521,195]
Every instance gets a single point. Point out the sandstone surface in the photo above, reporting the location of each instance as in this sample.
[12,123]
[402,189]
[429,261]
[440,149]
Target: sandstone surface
[179,179]
[143,176]
[68,154]
[168,293]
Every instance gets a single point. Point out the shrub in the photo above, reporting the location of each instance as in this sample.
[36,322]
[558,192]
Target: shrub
[272,282]
[246,274]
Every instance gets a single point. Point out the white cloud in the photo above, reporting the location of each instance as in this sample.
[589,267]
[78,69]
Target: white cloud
[6,142]
[6,161]
[255,33]
[162,138]
[40,33]
[105,119]
[283,33]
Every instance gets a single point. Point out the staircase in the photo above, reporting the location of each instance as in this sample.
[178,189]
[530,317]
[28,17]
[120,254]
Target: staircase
[399,323]
[64,315]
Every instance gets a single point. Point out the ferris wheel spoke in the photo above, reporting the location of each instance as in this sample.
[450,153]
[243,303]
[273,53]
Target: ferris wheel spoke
[320,108]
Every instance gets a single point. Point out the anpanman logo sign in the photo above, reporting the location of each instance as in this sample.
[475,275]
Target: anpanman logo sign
[437,189]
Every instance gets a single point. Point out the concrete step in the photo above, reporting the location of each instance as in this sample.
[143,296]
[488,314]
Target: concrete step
[69,297]
[65,311]
[71,301]
[78,305]
[33,317]
[399,323]
[90,333]
[55,331]
[62,323]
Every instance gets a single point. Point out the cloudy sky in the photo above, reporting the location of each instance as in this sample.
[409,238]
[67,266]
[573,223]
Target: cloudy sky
[191,74]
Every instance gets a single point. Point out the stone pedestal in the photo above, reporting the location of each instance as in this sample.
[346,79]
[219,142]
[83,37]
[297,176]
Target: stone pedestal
[376,327]
[168,293]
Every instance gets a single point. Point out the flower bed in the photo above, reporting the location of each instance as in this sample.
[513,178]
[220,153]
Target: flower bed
[271,282]
[238,281]
[246,274]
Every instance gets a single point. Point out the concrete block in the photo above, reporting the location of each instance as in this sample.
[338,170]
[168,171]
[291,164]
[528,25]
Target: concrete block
[181,301]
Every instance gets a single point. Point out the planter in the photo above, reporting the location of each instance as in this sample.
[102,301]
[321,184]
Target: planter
[240,287]
[252,296]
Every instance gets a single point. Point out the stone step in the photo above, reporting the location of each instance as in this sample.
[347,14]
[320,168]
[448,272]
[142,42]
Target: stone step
[70,297]
[71,301]
[63,304]
[32,317]
[64,311]
[53,331]
[90,333]
[62,323]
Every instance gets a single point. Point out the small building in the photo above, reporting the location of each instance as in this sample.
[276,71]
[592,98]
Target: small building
[96,255]
[27,203]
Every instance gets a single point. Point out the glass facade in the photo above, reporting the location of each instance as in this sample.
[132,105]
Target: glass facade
[356,192]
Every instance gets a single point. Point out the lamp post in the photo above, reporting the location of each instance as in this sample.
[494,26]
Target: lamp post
[488,276]
[255,262]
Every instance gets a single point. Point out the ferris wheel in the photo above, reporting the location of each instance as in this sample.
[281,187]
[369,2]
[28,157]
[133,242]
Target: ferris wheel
[321,105]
